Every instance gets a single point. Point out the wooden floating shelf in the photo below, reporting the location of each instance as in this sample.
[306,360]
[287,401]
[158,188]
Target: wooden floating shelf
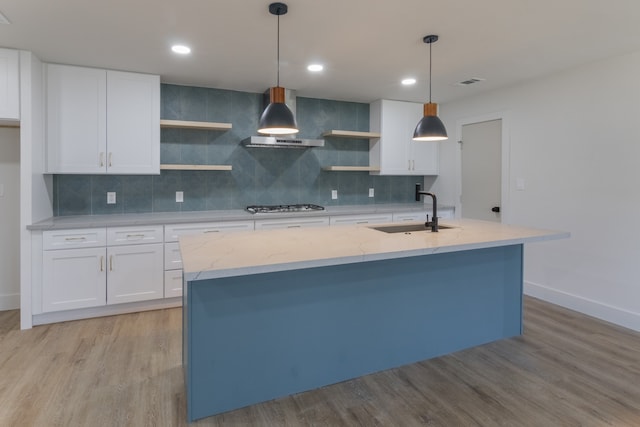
[183,124]
[351,134]
[351,168]
[196,167]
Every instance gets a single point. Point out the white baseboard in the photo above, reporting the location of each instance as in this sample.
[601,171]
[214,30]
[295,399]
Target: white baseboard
[9,302]
[106,310]
[596,309]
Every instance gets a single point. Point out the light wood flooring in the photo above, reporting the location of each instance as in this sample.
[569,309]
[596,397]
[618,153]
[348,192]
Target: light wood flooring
[566,370]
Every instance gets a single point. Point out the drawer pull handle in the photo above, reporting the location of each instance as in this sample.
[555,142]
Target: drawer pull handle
[362,222]
[101,159]
[102,263]
[211,231]
[135,236]
[110,262]
[294,226]
[110,156]
[75,239]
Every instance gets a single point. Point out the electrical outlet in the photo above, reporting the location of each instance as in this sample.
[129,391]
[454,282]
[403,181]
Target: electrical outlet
[334,194]
[520,184]
[371,192]
[111,197]
[179,196]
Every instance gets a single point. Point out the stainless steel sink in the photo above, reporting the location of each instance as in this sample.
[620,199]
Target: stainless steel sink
[407,228]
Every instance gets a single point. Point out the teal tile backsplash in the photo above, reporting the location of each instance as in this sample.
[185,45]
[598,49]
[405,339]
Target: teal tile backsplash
[259,175]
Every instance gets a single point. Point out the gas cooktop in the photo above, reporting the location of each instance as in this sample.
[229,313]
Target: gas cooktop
[307,207]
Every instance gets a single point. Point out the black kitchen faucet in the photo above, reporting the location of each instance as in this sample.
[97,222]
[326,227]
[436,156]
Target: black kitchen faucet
[434,217]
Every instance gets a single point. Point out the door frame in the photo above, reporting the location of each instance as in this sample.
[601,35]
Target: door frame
[505,175]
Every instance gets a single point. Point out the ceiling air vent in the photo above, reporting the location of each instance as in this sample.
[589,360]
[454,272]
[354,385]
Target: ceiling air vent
[470,81]
[3,19]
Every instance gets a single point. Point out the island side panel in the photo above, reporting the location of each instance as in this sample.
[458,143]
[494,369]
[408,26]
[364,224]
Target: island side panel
[258,337]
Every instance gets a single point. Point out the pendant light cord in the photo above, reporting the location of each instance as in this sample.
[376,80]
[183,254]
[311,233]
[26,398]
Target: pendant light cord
[278,53]
[430,64]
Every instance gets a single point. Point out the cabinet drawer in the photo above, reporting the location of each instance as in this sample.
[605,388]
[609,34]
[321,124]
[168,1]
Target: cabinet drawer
[70,239]
[360,219]
[172,232]
[172,258]
[134,235]
[272,224]
[410,216]
[173,283]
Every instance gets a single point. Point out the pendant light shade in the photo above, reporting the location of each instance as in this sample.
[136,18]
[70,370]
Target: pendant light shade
[277,118]
[430,127]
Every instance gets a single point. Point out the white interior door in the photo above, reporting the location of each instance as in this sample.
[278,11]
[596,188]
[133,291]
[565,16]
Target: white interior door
[481,153]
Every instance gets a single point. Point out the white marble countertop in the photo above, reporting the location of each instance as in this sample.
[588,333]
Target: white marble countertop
[241,253]
[121,220]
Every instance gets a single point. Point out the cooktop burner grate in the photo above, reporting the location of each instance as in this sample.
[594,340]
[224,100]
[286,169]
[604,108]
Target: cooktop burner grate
[306,207]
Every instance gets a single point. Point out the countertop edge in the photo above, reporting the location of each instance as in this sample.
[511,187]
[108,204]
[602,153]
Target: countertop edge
[163,218]
[327,262]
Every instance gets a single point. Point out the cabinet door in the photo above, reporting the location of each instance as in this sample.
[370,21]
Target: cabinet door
[135,273]
[425,155]
[9,85]
[73,278]
[76,119]
[393,157]
[133,123]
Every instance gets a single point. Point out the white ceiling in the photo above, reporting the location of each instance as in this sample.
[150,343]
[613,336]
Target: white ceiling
[367,46]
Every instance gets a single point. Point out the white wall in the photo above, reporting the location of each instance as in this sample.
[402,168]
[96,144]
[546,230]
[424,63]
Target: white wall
[9,218]
[574,137]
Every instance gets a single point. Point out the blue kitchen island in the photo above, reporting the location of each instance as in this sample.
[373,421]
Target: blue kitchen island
[277,312]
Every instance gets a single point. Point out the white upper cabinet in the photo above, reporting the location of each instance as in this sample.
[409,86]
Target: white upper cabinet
[102,121]
[133,123]
[395,153]
[9,85]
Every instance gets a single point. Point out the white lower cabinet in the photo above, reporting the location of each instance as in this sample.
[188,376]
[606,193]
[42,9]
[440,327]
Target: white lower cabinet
[74,278]
[135,273]
[95,267]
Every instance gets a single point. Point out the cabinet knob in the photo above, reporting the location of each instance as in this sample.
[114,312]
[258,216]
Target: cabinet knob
[495,209]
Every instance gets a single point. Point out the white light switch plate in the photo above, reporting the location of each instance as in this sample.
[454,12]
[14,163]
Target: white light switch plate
[520,184]
[334,194]
[111,197]
[179,196]
[1,190]
[371,192]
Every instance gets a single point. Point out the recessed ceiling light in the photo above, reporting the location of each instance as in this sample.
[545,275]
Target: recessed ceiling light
[182,49]
[409,81]
[315,67]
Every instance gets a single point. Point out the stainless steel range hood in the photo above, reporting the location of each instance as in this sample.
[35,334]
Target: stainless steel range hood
[282,141]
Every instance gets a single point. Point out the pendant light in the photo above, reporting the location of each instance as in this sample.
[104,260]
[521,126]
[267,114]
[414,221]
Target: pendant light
[430,127]
[277,118]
